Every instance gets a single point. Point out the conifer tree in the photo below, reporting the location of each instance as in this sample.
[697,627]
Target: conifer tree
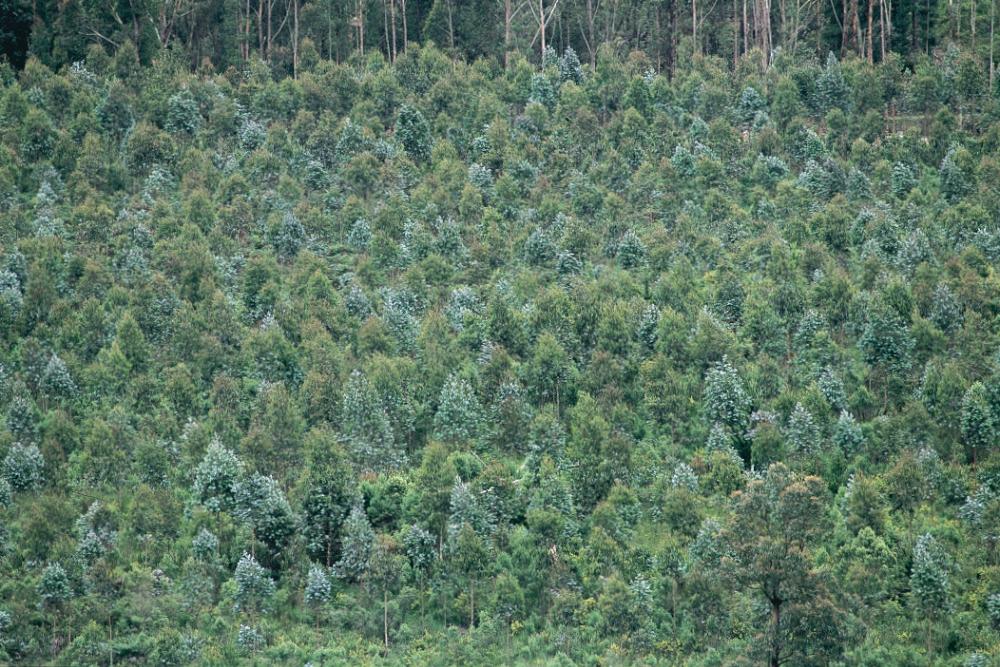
[216,476]
[414,133]
[978,423]
[358,538]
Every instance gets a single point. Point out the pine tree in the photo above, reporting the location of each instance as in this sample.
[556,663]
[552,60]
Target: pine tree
[946,311]
[684,478]
[955,182]
[318,587]
[183,114]
[414,133]
[467,509]
[359,237]
[54,586]
[631,250]
[259,502]
[216,476]
[847,435]
[56,379]
[831,89]
[205,545]
[459,414]
[366,427]
[542,91]
[832,389]
[886,340]
[750,106]
[646,330]
[24,467]
[978,423]
[903,179]
[802,432]
[250,639]
[993,609]
[726,400]
[929,582]
[569,66]
[358,538]
[254,586]
[22,415]
[289,236]
[682,161]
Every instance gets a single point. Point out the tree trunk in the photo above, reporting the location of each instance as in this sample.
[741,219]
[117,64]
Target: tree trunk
[392,15]
[472,603]
[507,18]
[775,660]
[541,25]
[406,35]
[385,618]
[993,5]
[295,39]
[694,26]
[868,36]
[881,26]
[736,35]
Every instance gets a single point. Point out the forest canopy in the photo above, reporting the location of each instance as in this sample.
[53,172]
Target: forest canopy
[668,336]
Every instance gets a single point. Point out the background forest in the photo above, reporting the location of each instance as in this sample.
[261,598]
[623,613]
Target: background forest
[673,341]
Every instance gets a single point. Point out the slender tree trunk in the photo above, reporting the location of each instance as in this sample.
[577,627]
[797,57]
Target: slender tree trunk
[270,34]
[406,35]
[392,16]
[541,25]
[869,48]
[881,26]
[845,31]
[694,26]
[385,618]
[507,18]
[385,28]
[472,603]
[736,35]
[972,25]
[993,5]
[295,39]
[775,660]
[746,29]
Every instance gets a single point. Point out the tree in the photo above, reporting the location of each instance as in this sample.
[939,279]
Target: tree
[56,380]
[259,502]
[459,414]
[326,499]
[946,311]
[358,538]
[929,583]
[470,558]
[24,467]
[254,587]
[318,588]
[978,423]
[289,236]
[414,133]
[216,476]
[54,591]
[802,432]
[776,524]
[385,566]
[847,435]
[366,427]
[726,401]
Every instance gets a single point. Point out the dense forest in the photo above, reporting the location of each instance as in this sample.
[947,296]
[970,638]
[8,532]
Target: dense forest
[484,333]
